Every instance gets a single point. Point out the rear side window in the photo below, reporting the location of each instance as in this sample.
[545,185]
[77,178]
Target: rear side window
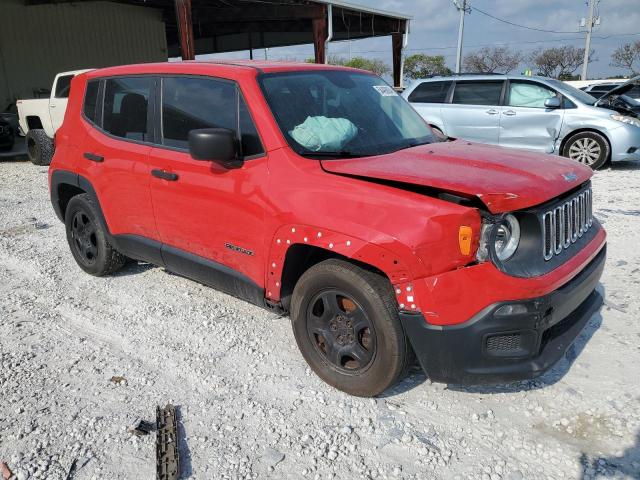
[63,85]
[477,93]
[91,100]
[126,102]
[190,103]
[430,92]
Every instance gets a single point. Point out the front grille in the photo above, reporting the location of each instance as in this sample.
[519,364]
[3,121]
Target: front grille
[504,343]
[564,224]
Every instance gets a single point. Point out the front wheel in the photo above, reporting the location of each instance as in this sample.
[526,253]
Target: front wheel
[346,324]
[589,148]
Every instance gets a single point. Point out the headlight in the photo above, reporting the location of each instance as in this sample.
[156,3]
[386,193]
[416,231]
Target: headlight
[628,120]
[502,238]
[507,237]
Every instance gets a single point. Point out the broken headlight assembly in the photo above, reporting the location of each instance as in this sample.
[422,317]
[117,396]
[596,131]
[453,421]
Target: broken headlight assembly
[499,239]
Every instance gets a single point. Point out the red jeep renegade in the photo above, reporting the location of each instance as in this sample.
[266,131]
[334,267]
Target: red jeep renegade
[318,192]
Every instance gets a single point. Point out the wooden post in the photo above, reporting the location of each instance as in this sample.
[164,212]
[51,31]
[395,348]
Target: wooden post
[320,36]
[397,47]
[185,28]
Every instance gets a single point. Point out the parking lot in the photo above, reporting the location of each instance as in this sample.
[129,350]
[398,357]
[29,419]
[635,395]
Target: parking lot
[249,405]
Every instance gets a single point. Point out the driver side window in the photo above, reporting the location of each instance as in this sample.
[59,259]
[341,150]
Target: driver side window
[528,94]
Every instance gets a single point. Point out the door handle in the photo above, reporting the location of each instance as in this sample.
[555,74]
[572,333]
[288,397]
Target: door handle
[492,111]
[509,113]
[93,157]
[164,175]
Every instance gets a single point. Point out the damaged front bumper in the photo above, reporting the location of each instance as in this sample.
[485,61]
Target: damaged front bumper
[508,341]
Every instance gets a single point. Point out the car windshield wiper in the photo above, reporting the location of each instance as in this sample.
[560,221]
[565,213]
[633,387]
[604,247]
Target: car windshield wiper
[330,154]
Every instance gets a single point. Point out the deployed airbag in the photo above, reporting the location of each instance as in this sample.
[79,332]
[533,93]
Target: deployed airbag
[324,134]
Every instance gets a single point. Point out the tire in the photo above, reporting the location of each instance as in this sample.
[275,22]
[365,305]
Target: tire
[88,240]
[39,147]
[335,299]
[589,148]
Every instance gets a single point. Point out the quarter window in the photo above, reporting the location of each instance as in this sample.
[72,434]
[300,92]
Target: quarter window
[477,93]
[528,94]
[91,100]
[430,92]
[190,103]
[63,85]
[126,102]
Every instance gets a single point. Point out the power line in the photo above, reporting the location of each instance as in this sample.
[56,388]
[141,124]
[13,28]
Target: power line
[530,42]
[476,9]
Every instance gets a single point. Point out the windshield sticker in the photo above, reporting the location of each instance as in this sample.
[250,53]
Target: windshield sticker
[385,90]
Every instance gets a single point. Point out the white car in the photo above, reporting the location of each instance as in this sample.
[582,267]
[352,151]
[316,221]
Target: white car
[40,118]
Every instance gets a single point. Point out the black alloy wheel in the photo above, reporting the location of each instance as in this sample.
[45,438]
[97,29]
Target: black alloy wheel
[346,324]
[341,331]
[88,239]
[83,233]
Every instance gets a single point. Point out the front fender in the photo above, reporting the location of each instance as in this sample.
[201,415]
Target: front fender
[395,265]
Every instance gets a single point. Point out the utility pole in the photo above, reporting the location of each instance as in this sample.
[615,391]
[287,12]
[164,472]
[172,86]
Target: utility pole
[587,45]
[463,9]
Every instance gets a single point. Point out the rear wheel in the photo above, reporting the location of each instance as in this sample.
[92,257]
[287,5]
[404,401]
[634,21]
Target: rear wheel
[39,147]
[589,148]
[346,324]
[88,240]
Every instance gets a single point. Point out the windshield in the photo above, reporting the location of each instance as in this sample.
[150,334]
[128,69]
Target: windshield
[340,114]
[573,92]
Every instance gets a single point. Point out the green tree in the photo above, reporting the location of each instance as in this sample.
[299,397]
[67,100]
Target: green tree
[373,65]
[421,65]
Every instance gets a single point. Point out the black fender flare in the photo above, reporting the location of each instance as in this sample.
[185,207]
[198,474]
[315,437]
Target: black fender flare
[133,246]
[65,177]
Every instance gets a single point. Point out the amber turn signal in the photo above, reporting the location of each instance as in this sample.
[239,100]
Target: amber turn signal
[464,240]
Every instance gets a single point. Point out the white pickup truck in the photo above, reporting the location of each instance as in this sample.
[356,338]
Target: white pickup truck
[40,118]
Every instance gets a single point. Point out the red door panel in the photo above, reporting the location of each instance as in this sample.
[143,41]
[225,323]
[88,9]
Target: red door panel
[121,182]
[208,210]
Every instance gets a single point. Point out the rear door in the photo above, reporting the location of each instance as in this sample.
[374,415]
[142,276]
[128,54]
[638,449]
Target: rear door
[114,156]
[427,98]
[525,122]
[474,111]
[202,208]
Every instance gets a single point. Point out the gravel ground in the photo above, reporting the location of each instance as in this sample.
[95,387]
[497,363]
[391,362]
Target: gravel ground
[249,406]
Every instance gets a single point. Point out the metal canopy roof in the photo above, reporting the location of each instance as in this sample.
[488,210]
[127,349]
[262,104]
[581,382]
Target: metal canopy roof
[235,25]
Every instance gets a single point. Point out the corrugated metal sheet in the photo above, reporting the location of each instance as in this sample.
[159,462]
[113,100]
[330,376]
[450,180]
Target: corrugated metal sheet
[38,41]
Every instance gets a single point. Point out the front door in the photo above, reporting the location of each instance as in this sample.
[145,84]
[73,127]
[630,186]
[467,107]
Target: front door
[474,111]
[525,121]
[203,209]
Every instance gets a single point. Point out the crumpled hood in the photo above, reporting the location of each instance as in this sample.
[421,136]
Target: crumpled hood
[620,90]
[503,179]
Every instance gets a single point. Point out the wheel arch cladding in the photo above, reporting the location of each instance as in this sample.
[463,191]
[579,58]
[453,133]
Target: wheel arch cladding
[296,248]
[64,186]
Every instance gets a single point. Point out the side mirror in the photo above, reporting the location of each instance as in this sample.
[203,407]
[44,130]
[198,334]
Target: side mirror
[552,102]
[218,145]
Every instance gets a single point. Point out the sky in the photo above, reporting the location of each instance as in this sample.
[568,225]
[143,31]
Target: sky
[434,29]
